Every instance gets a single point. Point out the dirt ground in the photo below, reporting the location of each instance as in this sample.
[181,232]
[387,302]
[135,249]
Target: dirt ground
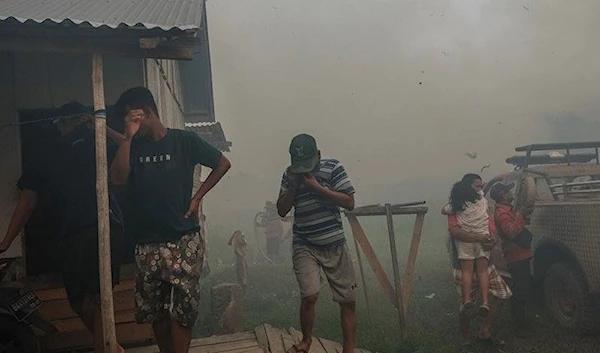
[432,317]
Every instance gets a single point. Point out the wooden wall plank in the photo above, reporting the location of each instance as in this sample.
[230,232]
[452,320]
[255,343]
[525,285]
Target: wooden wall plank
[127,334]
[60,309]
[75,324]
[46,295]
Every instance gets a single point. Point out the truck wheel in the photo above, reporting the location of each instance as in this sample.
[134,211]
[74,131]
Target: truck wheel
[16,337]
[568,298]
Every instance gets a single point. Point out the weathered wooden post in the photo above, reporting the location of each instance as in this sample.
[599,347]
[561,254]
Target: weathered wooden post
[106,295]
[396,270]
[364,281]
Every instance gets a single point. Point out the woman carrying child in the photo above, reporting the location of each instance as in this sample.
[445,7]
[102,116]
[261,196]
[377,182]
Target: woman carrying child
[471,210]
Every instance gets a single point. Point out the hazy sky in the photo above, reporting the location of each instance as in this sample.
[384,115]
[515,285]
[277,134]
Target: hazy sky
[396,90]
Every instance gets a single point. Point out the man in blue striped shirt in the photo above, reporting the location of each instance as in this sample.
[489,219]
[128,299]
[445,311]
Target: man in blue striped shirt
[317,188]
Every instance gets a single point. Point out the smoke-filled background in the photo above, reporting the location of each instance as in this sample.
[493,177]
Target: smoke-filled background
[398,91]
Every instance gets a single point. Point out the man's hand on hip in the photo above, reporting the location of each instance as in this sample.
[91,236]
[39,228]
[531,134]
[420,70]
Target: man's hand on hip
[194,206]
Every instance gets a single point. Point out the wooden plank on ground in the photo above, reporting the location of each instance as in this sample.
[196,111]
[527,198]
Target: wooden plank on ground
[226,347]
[330,346]
[316,346]
[296,335]
[274,338]
[255,350]
[244,350]
[261,338]
[288,340]
[213,340]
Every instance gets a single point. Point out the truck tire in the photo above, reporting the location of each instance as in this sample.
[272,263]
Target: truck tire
[569,300]
[16,337]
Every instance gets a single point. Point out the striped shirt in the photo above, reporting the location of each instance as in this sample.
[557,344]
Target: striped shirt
[317,220]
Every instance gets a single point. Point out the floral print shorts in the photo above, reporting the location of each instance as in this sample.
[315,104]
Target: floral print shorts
[167,282]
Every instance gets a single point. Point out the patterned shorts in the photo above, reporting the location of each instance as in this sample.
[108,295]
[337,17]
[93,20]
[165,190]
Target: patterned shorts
[167,282]
[498,287]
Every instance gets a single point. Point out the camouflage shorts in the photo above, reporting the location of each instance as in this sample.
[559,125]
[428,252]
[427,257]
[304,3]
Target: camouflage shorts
[167,282]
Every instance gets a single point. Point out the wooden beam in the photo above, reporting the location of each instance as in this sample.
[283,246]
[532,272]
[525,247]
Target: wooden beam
[106,295]
[80,45]
[396,270]
[361,238]
[364,282]
[381,211]
[412,259]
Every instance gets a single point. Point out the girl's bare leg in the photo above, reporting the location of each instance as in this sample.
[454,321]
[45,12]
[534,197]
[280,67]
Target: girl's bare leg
[484,280]
[466,267]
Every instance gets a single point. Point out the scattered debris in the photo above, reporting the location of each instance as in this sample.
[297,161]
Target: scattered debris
[430,296]
[472,155]
[525,7]
[485,167]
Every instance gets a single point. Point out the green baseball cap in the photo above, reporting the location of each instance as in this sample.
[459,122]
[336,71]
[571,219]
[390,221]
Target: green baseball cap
[304,153]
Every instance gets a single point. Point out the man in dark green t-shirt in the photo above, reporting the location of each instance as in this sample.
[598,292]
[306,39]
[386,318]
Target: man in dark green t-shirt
[157,165]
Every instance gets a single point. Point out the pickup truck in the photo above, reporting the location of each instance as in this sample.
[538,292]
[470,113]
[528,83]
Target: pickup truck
[564,189]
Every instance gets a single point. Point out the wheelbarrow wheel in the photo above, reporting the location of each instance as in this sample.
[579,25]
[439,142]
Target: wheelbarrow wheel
[16,337]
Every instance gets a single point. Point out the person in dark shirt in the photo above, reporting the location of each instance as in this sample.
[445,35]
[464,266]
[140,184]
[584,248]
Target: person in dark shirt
[157,165]
[65,177]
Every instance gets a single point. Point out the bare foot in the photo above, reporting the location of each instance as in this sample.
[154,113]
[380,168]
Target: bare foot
[302,347]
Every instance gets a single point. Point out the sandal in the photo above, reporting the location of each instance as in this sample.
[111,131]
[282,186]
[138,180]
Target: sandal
[484,310]
[465,308]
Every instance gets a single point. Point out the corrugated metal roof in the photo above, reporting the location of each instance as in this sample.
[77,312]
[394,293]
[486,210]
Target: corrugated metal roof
[151,14]
[200,124]
[211,132]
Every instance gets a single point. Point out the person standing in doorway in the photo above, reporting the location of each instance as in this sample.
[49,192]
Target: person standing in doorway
[157,165]
[316,188]
[516,243]
[65,178]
